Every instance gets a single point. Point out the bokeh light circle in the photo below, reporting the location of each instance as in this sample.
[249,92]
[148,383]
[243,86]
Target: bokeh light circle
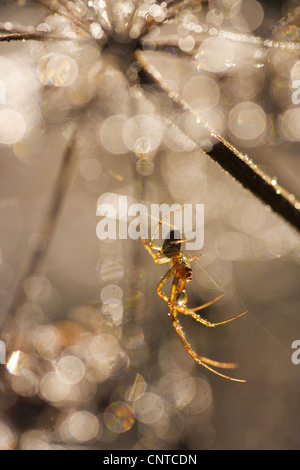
[187,43]
[246,15]
[59,70]
[247,121]
[149,408]
[70,369]
[144,166]
[142,133]
[215,55]
[111,134]
[8,438]
[201,92]
[290,124]
[118,417]
[53,389]
[83,426]
[12,126]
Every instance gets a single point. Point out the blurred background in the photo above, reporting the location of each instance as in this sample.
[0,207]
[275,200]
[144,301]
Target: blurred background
[92,359]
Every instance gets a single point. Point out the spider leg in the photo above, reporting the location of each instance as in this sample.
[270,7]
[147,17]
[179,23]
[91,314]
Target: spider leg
[207,304]
[162,282]
[193,257]
[161,221]
[190,311]
[183,240]
[156,258]
[187,311]
[203,361]
[150,249]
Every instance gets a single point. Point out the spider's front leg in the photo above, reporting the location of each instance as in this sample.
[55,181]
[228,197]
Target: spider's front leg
[150,248]
[156,258]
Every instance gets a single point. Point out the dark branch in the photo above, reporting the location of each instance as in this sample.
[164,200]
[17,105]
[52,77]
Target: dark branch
[7,37]
[260,184]
[240,166]
[21,33]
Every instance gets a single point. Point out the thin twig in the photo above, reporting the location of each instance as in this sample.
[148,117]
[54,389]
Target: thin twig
[53,6]
[7,37]
[48,225]
[174,7]
[240,166]
[22,33]
[172,40]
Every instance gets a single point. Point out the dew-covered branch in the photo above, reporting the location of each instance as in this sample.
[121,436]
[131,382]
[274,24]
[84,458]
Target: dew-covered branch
[240,166]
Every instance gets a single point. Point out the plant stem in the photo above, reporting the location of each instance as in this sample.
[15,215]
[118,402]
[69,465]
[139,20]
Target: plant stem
[48,225]
[240,166]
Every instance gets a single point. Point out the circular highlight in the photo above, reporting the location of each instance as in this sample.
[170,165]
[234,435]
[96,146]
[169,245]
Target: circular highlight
[187,43]
[215,55]
[58,70]
[111,136]
[247,121]
[52,389]
[83,426]
[247,15]
[142,134]
[118,417]
[201,92]
[149,408]
[290,124]
[70,370]
[12,126]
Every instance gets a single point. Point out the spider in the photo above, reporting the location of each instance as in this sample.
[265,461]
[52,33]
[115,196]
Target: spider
[121,28]
[181,271]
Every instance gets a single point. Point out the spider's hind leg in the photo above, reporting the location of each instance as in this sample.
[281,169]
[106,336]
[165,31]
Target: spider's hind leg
[203,361]
[207,304]
[191,312]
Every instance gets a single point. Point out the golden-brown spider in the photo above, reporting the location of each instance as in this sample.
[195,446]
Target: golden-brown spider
[181,271]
